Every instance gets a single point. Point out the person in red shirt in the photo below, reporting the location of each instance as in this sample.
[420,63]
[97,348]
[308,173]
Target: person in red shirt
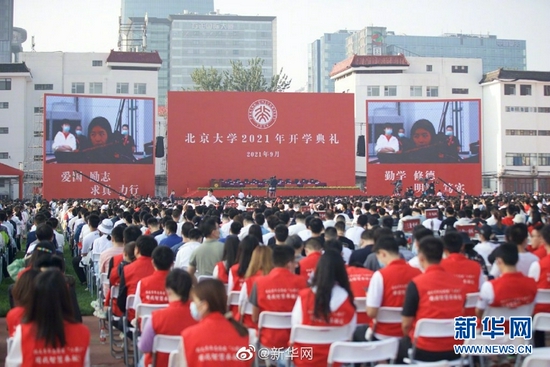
[171,320]
[536,245]
[454,262]
[217,339]
[387,286]
[132,273]
[238,271]
[152,289]
[49,333]
[540,272]
[260,265]
[276,292]
[313,248]
[435,294]
[22,295]
[328,303]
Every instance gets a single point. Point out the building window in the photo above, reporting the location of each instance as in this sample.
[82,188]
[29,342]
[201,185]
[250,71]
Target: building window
[521,132]
[429,68]
[4,105]
[4,130]
[43,87]
[77,88]
[4,155]
[373,91]
[459,91]
[459,69]
[520,159]
[544,109]
[5,83]
[486,182]
[390,91]
[97,62]
[96,88]
[416,91]
[546,90]
[544,159]
[544,132]
[525,90]
[38,157]
[122,88]
[140,88]
[432,91]
[39,110]
[509,89]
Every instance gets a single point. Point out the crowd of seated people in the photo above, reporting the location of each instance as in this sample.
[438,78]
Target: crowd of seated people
[340,270]
[266,182]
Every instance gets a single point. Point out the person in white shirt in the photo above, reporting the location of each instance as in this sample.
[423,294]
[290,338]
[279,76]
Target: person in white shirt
[462,219]
[387,143]
[354,233]
[418,234]
[209,199]
[299,226]
[184,253]
[104,242]
[247,223]
[517,234]
[332,234]
[485,247]
[64,141]
[241,194]
[329,219]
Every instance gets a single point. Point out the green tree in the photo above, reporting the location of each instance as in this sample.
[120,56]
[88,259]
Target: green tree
[240,78]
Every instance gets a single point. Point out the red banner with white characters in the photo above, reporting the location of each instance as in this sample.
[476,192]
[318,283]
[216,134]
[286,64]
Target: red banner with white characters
[254,136]
[423,147]
[98,147]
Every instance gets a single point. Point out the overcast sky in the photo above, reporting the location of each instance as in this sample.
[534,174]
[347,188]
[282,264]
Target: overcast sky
[92,25]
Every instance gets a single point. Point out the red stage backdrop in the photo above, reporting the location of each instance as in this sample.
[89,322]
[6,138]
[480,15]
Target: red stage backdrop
[424,149]
[238,135]
[115,162]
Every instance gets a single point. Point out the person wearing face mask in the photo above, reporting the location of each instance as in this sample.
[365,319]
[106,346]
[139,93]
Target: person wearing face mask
[404,142]
[387,143]
[82,141]
[209,307]
[419,232]
[127,140]
[64,141]
[171,320]
[451,146]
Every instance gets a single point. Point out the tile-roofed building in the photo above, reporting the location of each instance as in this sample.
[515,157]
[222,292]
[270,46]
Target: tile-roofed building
[134,57]
[14,68]
[512,75]
[369,61]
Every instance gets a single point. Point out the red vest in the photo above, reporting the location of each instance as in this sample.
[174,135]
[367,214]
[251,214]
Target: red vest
[308,264]
[359,279]
[133,273]
[153,288]
[512,290]
[396,277]
[13,318]
[342,316]
[277,292]
[169,321]
[222,272]
[247,319]
[237,280]
[543,282]
[467,270]
[441,296]
[205,348]
[35,353]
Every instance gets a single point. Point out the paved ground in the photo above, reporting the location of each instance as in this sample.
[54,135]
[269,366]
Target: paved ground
[100,354]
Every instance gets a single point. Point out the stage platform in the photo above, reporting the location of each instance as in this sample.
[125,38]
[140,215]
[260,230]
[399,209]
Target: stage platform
[287,191]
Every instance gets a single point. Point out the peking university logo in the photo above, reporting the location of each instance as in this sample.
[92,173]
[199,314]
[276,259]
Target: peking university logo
[262,114]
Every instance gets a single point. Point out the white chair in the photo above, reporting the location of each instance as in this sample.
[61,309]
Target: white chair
[204,277]
[142,310]
[525,310]
[471,300]
[423,364]
[103,280]
[175,359]
[111,319]
[233,298]
[127,329]
[360,305]
[318,335]
[165,344]
[272,320]
[541,322]
[388,315]
[537,360]
[363,352]
[434,328]
[543,297]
